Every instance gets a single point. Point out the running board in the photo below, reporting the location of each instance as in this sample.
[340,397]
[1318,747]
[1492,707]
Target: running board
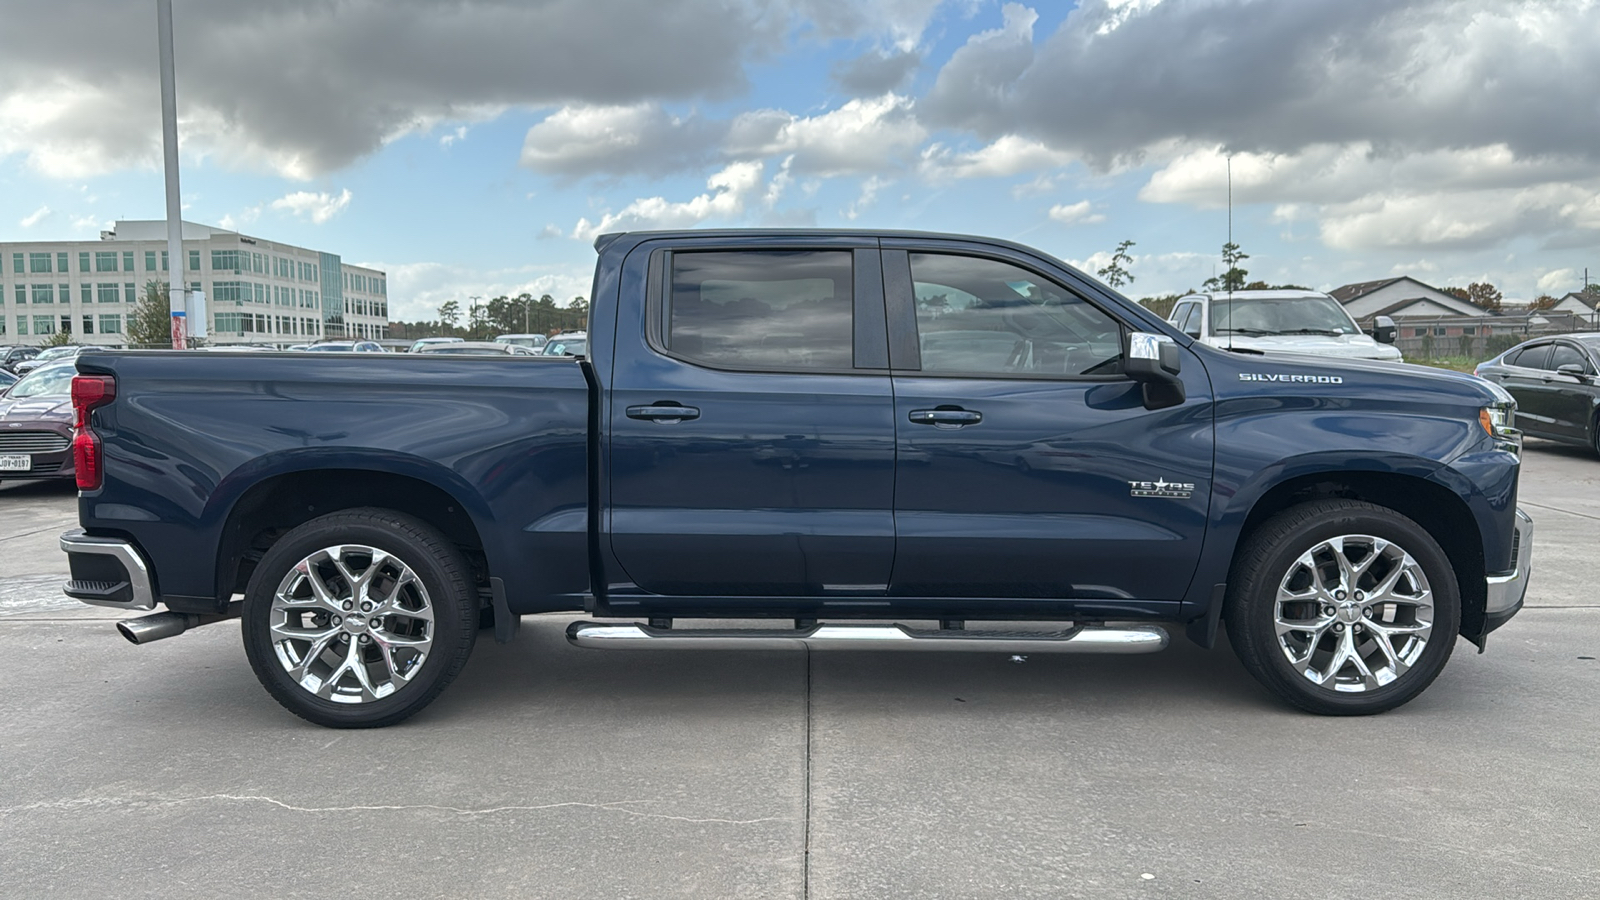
[634,636]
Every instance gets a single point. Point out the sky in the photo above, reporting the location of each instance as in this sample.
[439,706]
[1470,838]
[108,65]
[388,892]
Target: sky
[476,148]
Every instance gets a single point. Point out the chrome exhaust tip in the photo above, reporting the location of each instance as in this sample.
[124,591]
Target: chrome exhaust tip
[163,625]
[157,627]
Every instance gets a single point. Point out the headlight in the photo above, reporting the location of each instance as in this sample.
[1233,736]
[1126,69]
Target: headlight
[1499,422]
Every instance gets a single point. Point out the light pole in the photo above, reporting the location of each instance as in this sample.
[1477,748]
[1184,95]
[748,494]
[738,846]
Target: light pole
[169,152]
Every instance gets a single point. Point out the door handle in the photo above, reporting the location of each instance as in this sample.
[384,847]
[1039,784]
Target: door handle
[946,415]
[663,412]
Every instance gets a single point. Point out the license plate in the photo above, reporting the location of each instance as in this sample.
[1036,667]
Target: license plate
[19,463]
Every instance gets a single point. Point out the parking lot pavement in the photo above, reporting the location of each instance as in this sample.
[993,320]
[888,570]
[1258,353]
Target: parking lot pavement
[32,516]
[165,770]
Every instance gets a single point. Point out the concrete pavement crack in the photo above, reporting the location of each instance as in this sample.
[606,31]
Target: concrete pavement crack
[1559,510]
[618,806]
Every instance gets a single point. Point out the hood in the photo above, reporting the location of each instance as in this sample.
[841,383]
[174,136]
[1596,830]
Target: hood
[35,409]
[1343,346]
[1236,374]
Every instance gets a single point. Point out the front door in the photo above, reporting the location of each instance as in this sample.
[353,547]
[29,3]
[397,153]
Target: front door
[752,441]
[1029,466]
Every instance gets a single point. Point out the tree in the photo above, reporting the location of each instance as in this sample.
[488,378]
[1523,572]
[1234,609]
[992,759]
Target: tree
[150,323]
[450,313]
[1162,305]
[1543,301]
[1458,293]
[1116,273]
[478,319]
[58,339]
[1485,295]
[1234,278]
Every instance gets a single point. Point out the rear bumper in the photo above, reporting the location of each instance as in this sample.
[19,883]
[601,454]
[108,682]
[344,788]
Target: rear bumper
[107,572]
[1507,589]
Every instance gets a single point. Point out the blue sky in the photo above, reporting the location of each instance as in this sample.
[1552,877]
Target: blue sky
[475,148]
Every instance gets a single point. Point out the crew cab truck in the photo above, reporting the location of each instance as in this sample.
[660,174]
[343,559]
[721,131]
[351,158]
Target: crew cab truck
[840,439]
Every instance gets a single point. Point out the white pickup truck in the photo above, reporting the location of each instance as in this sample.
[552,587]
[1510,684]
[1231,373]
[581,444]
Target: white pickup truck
[1285,321]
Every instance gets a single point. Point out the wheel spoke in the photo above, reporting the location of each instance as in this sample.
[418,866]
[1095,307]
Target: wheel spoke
[1340,564]
[350,679]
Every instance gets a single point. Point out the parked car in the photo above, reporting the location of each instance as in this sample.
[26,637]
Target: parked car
[11,356]
[1308,322]
[347,347]
[64,353]
[573,344]
[532,341]
[1556,382]
[419,343]
[848,484]
[36,424]
[7,379]
[475,348]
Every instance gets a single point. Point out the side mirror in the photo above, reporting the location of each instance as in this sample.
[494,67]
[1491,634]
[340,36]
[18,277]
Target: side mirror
[1154,361]
[1576,370]
[1383,330]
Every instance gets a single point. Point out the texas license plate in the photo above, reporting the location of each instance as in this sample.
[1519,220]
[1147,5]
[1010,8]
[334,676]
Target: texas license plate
[19,463]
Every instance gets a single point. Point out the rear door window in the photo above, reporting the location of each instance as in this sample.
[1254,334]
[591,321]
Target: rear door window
[1530,357]
[761,310]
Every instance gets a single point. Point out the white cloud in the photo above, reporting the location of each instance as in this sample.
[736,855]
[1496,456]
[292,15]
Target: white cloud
[729,192]
[35,217]
[1080,213]
[581,140]
[318,207]
[1560,281]
[1009,155]
[448,138]
[868,196]
[861,137]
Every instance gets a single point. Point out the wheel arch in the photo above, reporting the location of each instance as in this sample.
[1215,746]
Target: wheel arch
[296,490]
[1439,510]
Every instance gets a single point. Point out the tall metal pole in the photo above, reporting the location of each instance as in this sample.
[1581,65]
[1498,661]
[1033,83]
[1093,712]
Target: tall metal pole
[169,152]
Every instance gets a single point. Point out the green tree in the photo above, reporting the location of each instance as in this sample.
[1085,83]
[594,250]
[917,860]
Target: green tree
[1162,305]
[1233,279]
[58,339]
[450,313]
[1116,273]
[150,323]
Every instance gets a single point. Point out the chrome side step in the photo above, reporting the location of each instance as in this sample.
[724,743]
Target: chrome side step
[1098,639]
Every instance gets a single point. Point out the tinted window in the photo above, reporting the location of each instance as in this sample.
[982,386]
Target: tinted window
[983,317]
[762,309]
[1566,354]
[1529,357]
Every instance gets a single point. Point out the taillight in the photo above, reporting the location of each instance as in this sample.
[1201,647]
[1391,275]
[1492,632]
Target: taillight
[89,392]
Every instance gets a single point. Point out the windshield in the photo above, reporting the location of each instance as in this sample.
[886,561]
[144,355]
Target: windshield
[1283,315]
[566,348]
[522,340]
[56,353]
[55,381]
[332,348]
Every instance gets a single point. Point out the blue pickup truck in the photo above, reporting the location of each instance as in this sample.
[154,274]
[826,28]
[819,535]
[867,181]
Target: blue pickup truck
[839,440]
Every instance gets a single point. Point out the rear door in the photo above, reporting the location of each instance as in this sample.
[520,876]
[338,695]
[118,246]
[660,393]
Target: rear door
[751,423]
[1029,466]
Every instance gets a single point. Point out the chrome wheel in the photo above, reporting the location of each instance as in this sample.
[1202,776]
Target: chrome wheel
[351,623]
[1354,613]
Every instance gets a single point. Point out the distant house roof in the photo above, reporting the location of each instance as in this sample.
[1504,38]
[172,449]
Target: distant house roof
[1589,301]
[1352,291]
[1397,294]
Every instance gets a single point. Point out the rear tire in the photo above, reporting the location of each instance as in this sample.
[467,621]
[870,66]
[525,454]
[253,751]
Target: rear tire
[360,618]
[1343,607]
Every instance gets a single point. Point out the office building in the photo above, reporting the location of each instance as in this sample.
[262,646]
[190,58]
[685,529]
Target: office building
[257,291]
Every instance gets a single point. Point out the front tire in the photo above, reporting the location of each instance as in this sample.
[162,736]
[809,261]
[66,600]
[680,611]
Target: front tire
[359,619]
[1343,607]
